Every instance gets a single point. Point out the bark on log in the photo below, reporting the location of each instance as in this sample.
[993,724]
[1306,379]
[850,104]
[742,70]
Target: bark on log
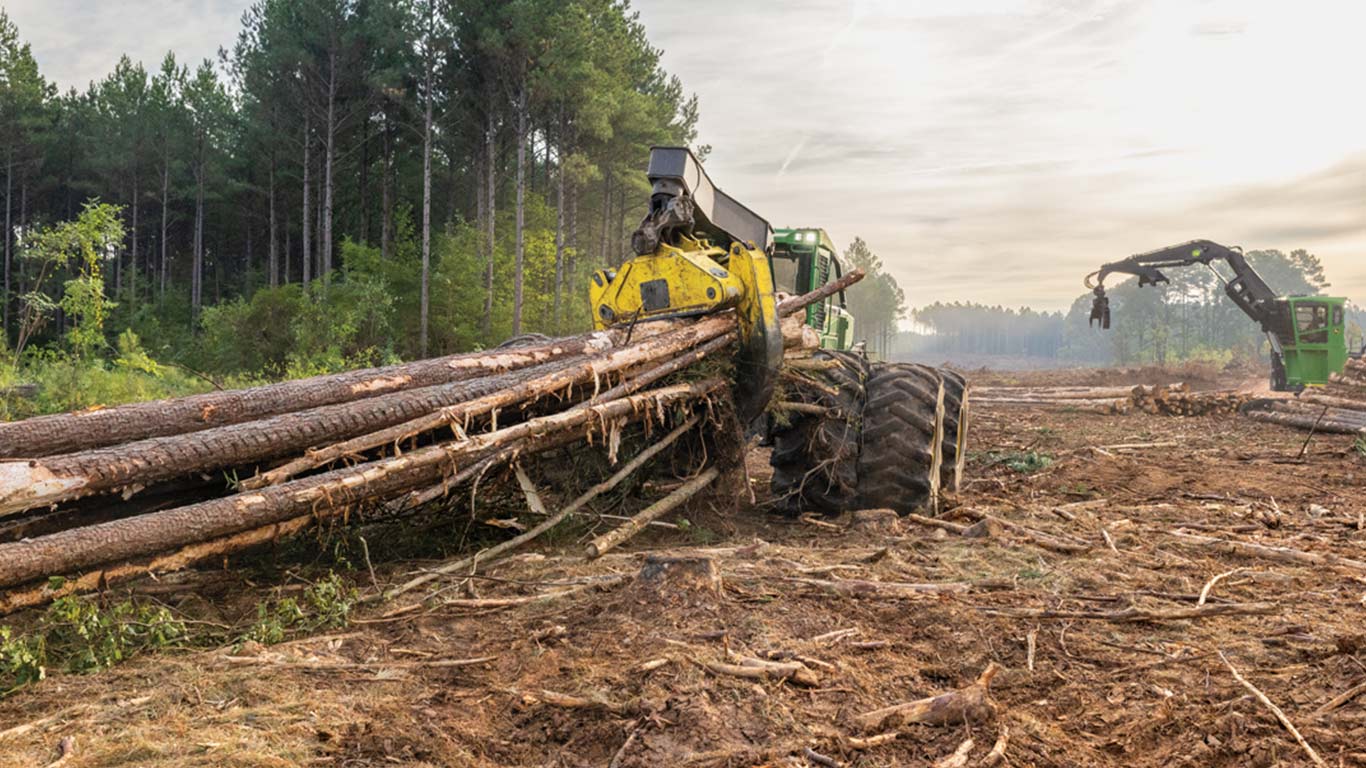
[579,372]
[602,544]
[83,430]
[794,303]
[969,705]
[1107,407]
[1346,403]
[1061,393]
[324,495]
[27,484]
[1307,421]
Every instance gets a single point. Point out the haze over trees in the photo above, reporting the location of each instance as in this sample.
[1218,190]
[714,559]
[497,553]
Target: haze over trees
[1189,319]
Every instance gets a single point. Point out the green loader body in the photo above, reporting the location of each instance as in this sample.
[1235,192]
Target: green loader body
[802,261]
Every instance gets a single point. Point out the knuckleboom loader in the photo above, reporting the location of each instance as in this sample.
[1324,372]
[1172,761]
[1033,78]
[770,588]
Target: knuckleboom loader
[1307,334]
[888,435]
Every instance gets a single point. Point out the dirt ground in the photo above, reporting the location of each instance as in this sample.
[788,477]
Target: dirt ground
[1094,596]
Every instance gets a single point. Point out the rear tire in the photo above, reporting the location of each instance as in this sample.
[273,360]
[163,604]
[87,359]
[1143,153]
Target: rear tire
[903,431]
[893,437]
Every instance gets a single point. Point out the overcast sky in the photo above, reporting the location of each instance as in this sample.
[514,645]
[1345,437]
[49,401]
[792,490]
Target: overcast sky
[988,150]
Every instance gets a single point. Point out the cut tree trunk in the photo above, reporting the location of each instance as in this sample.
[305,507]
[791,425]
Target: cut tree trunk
[84,430]
[323,495]
[589,370]
[30,483]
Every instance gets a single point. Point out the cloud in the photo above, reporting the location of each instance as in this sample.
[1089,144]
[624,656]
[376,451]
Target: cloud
[79,41]
[998,151]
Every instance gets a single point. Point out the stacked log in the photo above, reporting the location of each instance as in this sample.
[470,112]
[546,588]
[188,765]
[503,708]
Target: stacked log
[1102,400]
[1339,407]
[1162,399]
[312,449]
[1178,400]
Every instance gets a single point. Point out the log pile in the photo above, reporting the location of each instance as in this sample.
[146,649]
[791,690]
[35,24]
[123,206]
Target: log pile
[1161,399]
[1339,407]
[231,470]
[1179,400]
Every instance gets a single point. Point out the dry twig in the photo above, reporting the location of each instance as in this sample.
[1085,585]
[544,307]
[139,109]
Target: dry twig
[1269,704]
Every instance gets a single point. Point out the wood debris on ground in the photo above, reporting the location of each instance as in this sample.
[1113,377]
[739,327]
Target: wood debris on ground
[1194,605]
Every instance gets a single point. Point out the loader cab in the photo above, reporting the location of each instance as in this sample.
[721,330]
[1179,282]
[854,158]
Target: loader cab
[1320,346]
[803,260]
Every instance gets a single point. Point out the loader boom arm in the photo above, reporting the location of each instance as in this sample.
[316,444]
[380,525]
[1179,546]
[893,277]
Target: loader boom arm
[1247,289]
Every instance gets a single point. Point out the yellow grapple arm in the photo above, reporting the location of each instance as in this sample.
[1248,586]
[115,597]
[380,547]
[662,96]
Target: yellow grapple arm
[679,272]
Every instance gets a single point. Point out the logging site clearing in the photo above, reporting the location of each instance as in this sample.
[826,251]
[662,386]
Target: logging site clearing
[1130,588]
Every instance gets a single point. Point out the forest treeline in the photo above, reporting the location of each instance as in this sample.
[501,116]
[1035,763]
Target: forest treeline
[454,155]
[348,182]
[1190,318]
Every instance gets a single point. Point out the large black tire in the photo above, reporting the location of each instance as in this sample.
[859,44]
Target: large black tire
[815,458]
[903,430]
[955,431]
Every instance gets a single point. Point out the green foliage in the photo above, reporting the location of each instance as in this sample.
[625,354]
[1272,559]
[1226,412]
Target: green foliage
[66,383]
[1024,462]
[1360,446]
[326,604]
[80,246]
[877,302]
[289,332]
[21,661]
[76,634]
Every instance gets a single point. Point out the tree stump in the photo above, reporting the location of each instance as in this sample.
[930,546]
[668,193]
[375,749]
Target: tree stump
[677,580]
[884,522]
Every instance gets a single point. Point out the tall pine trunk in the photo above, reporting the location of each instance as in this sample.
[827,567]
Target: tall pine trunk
[491,163]
[521,210]
[386,225]
[606,217]
[621,226]
[9,231]
[308,251]
[573,237]
[197,280]
[559,225]
[273,257]
[133,257]
[165,220]
[480,207]
[426,202]
[363,214]
[325,257]
[289,248]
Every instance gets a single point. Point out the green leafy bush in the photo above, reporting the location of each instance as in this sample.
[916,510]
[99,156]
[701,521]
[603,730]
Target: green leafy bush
[326,604]
[76,634]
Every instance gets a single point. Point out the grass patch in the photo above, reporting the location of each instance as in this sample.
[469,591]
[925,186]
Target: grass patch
[1024,462]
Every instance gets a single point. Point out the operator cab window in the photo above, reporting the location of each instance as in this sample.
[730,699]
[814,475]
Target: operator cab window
[785,272]
[1312,322]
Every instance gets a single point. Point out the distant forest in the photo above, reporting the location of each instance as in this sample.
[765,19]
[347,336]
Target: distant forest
[1189,319]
